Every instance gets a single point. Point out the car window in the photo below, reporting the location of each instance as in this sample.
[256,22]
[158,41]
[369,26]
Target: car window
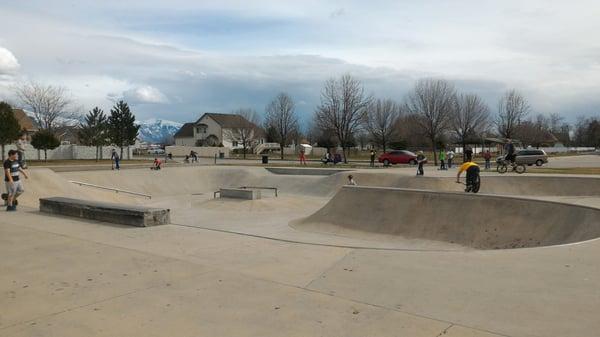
[395,153]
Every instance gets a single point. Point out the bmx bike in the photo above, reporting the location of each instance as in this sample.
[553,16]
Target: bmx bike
[504,166]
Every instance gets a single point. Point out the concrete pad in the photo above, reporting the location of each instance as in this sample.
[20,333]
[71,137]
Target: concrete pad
[524,292]
[43,273]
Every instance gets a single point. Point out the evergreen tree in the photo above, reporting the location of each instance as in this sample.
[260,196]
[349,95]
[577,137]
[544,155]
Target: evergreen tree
[9,126]
[94,130]
[122,130]
[45,140]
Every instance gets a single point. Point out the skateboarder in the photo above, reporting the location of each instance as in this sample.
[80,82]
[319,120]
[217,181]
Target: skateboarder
[115,158]
[351,181]
[302,158]
[450,156]
[372,158]
[442,158]
[14,186]
[420,161]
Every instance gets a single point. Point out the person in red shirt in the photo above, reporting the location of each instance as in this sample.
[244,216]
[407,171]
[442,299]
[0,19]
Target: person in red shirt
[157,164]
[487,156]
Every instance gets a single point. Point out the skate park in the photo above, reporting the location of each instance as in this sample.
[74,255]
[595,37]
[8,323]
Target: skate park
[395,255]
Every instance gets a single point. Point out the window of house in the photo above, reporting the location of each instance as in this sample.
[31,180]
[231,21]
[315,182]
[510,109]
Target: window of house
[234,144]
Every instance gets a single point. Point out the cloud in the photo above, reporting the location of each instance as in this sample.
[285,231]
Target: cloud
[144,95]
[8,62]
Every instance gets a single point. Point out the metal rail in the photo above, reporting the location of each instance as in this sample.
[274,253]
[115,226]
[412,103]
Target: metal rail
[117,190]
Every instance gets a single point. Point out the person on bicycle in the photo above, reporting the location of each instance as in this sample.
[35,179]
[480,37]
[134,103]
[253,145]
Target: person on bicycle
[472,173]
[509,148]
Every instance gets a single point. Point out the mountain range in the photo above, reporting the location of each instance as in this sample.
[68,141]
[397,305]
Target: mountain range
[157,130]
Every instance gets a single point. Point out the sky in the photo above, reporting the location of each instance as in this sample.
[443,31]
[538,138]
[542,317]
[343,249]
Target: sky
[177,59]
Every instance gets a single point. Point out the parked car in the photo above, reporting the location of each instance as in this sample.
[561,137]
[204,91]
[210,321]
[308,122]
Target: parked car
[529,157]
[156,151]
[398,157]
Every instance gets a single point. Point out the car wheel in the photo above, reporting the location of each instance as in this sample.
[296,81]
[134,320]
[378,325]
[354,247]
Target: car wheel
[386,162]
[539,162]
[412,162]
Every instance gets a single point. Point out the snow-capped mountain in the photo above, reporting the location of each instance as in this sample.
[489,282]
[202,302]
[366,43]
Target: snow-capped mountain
[156,130]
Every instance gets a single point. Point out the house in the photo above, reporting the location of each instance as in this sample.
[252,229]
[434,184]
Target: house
[215,129]
[185,135]
[27,124]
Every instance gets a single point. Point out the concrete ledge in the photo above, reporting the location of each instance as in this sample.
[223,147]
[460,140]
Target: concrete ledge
[240,193]
[102,211]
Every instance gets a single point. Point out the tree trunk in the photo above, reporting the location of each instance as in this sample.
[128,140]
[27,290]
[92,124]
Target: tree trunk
[45,155]
[2,152]
[97,153]
[121,156]
[244,150]
[434,152]
[281,147]
[344,153]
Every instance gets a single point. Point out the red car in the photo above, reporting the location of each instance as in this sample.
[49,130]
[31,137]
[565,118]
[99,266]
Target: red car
[398,157]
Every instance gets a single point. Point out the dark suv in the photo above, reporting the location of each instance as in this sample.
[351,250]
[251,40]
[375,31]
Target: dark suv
[398,157]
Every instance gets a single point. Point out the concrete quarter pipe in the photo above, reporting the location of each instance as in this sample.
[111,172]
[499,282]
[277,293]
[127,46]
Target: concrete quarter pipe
[477,221]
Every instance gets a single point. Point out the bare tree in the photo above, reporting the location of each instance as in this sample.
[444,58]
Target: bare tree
[342,110]
[49,104]
[470,119]
[281,117]
[512,109]
[380,122]
[433,101]
[244,130]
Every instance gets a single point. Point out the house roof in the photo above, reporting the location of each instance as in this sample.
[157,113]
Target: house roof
[25,121]
[227,120]
[232,121]
[186,131]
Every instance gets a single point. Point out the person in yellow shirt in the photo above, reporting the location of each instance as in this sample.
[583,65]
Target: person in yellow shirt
[472,170]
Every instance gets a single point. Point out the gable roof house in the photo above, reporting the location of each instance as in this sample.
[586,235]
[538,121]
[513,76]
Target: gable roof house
[185,135]
[215,129]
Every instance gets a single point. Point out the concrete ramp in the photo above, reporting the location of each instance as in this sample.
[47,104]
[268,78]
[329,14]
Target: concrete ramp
[477,221]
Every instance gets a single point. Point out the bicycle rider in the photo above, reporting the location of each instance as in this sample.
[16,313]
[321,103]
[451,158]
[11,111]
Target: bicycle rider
[509,148]
[472,174]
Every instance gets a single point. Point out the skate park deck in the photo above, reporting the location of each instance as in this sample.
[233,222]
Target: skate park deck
[229,258]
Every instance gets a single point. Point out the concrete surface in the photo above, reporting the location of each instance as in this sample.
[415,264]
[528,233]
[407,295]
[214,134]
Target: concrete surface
[236,268]
[131,215]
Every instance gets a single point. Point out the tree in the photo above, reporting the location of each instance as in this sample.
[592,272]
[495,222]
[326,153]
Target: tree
[93,131]
[245,130]
[380,122]
[122,130]
[512,109]
[9,126]
[49,104]
[433,101]
[470,118]
[45,140]
[343,108]
[281,116]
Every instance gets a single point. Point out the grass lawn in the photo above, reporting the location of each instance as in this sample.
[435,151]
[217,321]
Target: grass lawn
[569,170]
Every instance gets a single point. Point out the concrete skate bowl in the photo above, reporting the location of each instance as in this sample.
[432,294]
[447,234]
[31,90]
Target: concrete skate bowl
[525,185]
[476,221]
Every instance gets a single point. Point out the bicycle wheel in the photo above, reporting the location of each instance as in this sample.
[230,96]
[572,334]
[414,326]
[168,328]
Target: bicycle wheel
[520,169]
[502,168]
[476,185]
